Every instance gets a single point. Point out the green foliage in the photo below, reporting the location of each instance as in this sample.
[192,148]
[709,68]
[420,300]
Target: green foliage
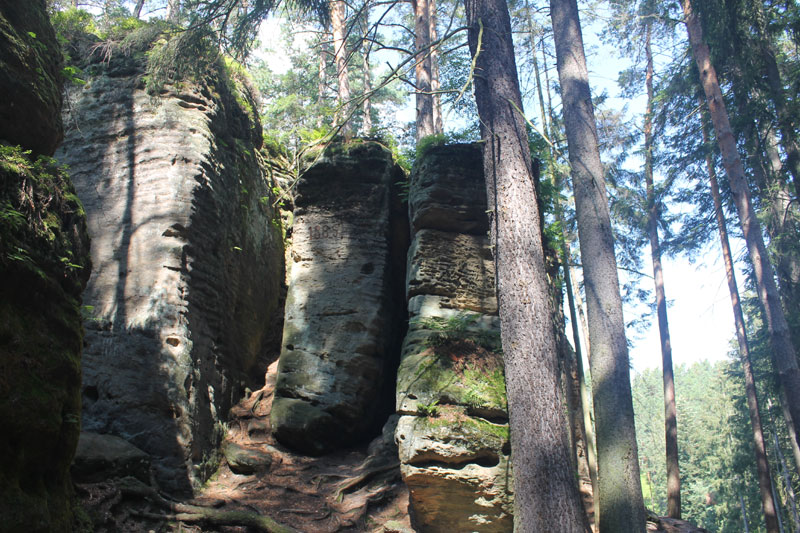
[36,200]
[715,444]
[431,141]
[428,409]
[460,327]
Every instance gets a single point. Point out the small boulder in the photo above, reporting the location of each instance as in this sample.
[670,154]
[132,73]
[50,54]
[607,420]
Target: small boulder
[245,460]
[102,456]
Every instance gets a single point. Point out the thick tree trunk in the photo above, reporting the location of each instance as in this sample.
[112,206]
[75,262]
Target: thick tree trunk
[546,494]
[342,115]
[670,411]
[585,399]
[424,95]
[619,500]
[764,477]
[782,349]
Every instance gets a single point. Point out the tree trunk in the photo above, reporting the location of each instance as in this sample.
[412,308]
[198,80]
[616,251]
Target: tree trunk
[653,205]
[546,494]
[787,480]
[744,514]
[173,10]
[585,399]
[424,95]
[137,10]
[782,349]
[773,75]
[366,125]
[367,106]
[342,115]
[322,78]
[762,464]
[781,223]
[783,228]
[438,123]
[619,501]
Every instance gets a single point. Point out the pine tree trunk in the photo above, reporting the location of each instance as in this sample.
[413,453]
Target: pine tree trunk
[782,349]
[783,228]
[787,480]
[619,503]
[773,75]
[173,10]
[438,122]
[424,96]
[137,10]
[322,78]
[585,400]
[781,223]
[342,115]
[670,411]
[762,464]
[546,493]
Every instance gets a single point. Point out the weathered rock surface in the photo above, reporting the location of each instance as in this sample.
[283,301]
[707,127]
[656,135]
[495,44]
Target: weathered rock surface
[100,457]
[184,302]
[344,305]
[445,195]
[30,76]
[44,265]
[453,435]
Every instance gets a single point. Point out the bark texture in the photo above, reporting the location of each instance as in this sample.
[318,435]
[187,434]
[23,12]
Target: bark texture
[619,502]
[422,41]
[340,57]
[546,494]
[783,351]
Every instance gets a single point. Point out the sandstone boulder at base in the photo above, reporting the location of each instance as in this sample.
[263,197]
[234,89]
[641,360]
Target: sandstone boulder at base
[100,457]
[344,309]
[183,307]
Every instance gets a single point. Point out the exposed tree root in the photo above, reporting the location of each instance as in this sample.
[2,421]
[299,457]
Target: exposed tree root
[195,513]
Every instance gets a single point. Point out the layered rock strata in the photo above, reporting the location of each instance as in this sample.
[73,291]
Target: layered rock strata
[344,307]
[184,302]
[44,265]
[453,435]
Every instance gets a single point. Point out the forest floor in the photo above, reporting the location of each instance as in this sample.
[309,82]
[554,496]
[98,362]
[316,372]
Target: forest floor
[354,490]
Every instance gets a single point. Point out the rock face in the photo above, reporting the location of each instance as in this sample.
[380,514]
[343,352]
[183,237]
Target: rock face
[44,265]
[344,310]
[30,76]
[453,435]
[184,302]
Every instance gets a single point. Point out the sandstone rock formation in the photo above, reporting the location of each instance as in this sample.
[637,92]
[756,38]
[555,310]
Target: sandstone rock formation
[184,300]
[344,310]
[44,265]
[453,434]
[30,76]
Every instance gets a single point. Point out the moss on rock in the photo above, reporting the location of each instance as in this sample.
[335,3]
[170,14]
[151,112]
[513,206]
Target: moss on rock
[45,265]
[30,77]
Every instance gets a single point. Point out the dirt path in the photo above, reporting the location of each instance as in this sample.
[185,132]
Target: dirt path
[354,490]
